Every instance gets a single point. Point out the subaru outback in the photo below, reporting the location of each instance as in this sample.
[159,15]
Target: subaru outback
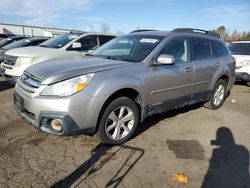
[111,91]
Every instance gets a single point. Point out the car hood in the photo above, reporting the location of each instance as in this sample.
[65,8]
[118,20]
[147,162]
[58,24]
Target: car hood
[240,58]
[31,51]
[53,71]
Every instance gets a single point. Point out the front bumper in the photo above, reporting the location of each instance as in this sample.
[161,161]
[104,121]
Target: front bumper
[2,71]
[78,113]
[11,73]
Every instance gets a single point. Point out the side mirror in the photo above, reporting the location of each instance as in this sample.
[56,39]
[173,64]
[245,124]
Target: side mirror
[165,59]
[76,45]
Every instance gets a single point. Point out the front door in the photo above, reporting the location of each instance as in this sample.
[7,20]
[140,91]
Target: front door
[171,85]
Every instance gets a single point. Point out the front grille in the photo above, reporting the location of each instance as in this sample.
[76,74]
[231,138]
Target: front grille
[9,60]
[31,80]
[29,83]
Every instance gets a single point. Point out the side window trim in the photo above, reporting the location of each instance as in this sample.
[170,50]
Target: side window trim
[171,39]
[213,49]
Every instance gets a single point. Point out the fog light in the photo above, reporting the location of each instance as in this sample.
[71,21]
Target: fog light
[56,124]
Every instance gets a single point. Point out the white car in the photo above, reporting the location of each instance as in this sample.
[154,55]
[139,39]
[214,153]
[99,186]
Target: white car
[241,51]
[70,46]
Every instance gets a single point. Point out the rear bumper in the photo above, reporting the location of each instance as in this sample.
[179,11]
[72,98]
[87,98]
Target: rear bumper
[243,76]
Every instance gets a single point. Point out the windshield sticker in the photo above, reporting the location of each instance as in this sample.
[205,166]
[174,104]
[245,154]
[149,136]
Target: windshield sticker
[147,40]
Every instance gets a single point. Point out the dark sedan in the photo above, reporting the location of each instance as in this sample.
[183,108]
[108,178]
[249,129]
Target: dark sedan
[10,40]
[34,41]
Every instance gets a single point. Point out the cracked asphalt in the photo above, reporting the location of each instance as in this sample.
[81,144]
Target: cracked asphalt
[210,147]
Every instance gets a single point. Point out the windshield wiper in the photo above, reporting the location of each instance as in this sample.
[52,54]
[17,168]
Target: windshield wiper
[43,46]
[113,58]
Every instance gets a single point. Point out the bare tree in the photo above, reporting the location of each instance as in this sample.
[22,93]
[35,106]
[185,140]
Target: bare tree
[105,28]
[120,33]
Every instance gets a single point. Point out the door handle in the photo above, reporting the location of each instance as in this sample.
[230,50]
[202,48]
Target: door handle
[188,69]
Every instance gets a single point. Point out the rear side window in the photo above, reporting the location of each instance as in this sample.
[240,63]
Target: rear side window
[240,48]
[201,49]
[220,49]
[103,39]
[35,43]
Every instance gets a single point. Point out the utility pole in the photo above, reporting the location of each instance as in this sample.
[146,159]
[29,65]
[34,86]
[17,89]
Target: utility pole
[91,28]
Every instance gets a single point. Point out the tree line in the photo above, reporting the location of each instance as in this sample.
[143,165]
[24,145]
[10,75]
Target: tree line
[235,36]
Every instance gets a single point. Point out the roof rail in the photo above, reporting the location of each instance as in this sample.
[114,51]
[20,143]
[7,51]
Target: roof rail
[142,30]
[192,30]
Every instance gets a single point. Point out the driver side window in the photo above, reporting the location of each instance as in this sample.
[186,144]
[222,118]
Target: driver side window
[88,43]
[178,48]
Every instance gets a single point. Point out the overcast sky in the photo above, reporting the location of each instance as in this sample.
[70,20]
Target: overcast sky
[126,15]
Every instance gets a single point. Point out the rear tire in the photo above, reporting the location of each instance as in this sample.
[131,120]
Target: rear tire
[218,95]
[118,121]
[248,84]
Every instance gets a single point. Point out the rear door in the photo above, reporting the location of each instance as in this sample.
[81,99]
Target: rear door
[171,85]
[206,65]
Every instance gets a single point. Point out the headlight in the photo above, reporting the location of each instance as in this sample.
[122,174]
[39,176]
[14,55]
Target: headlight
[244,63]
[68,87]
[24,60]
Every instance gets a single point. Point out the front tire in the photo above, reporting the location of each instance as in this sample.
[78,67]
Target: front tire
[218,95]
[118,121]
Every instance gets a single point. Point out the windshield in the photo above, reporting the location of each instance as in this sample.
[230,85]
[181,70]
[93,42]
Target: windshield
[59,41]
[17,44]
[240,48]
[133,48]
[5,41]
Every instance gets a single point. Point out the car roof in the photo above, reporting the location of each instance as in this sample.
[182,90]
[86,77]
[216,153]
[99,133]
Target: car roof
[37,38]
[241,41]
[17,37]
[151,33]
[98,33]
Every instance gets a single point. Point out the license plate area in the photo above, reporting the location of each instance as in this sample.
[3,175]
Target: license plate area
[18,102]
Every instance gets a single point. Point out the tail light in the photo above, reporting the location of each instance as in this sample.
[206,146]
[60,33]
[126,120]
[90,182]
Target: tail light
[234,61]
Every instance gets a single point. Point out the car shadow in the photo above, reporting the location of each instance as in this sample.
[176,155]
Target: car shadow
[229,165]
[95,163]
[4,85]
[156,118]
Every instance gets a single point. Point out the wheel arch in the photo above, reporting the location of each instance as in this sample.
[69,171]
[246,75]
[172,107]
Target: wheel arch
[129,92]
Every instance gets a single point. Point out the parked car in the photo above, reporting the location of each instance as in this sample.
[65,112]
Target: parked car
[241,51]
[111,91]
[9,40]
[33,41]
[3,35]
[70,45]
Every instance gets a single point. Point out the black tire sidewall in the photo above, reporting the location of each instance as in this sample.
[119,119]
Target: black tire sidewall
[121,101]
[220,82]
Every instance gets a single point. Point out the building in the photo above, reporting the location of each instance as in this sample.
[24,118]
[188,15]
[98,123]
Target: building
[25,30]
